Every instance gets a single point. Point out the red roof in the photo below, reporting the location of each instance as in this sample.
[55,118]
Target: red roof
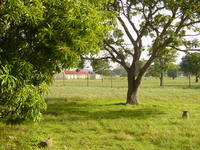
[75,72]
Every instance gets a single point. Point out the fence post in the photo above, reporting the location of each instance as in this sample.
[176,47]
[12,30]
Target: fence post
[63,78]
[111,80]
[189,77]
[102,79]
[88,80]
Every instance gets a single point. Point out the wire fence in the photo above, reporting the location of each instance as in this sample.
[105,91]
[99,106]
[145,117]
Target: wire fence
[121,82]
[111,82]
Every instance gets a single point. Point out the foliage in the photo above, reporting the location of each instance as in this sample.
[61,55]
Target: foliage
[101,66]
[20,99]
[120,71]
[37,39]
[191,64]
[173,71]
[162,63]
[81,64]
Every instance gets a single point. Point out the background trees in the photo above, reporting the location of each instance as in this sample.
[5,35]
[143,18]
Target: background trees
[173,71]
[119,71]
[162,64]
[191,64]
[37,39]
[101,67]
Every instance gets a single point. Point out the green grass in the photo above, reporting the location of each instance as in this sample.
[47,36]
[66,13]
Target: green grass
[94,118]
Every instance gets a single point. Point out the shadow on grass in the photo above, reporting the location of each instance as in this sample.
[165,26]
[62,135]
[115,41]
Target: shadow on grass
[86,111]
[48,99]
[192,87]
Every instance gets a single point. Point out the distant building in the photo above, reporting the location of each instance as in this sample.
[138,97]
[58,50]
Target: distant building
[76,75]
[71,75]
[68,74]
[95,76]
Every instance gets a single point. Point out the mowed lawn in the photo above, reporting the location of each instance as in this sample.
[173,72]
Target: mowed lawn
[95,118]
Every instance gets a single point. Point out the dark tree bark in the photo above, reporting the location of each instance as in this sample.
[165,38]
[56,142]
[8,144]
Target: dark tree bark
[189,78]
[133,85]
[197,79]
[161,79]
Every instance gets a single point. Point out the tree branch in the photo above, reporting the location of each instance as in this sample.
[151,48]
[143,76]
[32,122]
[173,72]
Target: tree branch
[124,48]
[188,50]
[121,61]
[99,58]
[130,21]
[193,34]
[127,31]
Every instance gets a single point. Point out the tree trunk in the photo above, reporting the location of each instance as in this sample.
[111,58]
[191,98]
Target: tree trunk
[161,79]
[197,79]
[189,80]
[132,90]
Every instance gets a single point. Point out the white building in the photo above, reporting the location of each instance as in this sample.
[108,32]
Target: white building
[76,75]
[71,75]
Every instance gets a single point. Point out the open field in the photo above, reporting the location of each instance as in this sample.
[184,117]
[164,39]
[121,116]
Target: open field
[94,118]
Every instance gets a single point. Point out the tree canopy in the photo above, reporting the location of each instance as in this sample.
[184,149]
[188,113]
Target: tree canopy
[163,63]
[37,39]
[191,64]
[101,67]
[173,71]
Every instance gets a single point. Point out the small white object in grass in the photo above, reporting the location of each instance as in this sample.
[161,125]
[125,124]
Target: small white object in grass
[46,143]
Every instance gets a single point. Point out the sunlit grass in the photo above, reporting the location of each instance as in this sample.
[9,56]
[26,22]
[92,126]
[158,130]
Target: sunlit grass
[94,118]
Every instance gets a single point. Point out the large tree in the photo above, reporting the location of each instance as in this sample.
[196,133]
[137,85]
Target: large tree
[148,25]
[37,39]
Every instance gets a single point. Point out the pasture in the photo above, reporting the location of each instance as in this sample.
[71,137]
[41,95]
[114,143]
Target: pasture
[92,117]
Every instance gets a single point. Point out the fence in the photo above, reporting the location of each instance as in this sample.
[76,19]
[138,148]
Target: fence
[111,82]
[121,82]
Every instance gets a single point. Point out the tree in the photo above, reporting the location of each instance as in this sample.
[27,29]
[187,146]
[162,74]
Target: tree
[120,71]
[101,66]
[81,64]
[185,67]
[173,71]
[163,23]
[162,64]
[191,64]
[37,39]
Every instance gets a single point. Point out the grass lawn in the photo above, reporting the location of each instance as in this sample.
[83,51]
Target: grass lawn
[94,118]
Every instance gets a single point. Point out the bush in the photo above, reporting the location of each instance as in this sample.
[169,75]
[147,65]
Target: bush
[20,100]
